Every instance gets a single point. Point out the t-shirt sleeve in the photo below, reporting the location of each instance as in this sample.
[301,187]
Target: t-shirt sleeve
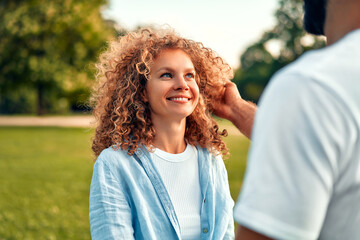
[292,161]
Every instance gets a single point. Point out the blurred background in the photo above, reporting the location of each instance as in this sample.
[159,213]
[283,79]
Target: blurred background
[47,55]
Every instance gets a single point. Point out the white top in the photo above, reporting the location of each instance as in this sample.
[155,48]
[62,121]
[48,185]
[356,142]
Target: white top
[180,174]
[303,174]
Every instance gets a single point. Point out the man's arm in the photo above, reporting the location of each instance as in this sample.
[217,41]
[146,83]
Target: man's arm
[235,109]
[244,233]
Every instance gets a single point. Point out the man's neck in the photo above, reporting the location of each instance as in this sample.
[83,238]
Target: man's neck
[342,17]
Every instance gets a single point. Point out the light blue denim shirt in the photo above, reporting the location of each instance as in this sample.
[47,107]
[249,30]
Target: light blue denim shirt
[128,199]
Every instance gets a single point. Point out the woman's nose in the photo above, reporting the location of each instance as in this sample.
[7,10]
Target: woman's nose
[181,83]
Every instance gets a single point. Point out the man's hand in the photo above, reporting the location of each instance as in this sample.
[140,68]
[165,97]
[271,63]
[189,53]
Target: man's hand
[233,108]
[230,95]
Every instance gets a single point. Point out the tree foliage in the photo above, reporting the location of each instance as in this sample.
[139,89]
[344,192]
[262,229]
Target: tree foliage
[46,49]
[284,43]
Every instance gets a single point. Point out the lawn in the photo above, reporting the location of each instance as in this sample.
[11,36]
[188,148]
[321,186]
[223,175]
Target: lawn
[45,177]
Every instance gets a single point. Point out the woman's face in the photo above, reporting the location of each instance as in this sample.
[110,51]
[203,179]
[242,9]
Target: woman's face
[171,90]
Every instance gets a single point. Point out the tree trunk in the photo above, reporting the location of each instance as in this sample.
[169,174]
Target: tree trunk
[41,110]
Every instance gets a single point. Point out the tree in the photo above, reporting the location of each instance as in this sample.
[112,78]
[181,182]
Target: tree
[260,61]
[47,47]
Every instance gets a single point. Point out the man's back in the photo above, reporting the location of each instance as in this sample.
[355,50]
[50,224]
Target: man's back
[305,153]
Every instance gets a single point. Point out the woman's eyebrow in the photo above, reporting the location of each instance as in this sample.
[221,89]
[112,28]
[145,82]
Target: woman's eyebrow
[190,70]
[172,70]
[165,69]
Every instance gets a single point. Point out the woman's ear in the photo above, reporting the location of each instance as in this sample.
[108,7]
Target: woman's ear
[143,81]
[144,96]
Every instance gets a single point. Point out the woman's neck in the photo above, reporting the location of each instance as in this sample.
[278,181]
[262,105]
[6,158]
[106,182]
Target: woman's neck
[170,136]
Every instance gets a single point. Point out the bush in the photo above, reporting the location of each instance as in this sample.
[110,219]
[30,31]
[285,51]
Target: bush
[21,100]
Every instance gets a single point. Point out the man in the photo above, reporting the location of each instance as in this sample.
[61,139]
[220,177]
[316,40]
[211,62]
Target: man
[303,175]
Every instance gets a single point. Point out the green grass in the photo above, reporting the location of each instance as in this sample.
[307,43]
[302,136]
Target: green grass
[236,164]
[45,173]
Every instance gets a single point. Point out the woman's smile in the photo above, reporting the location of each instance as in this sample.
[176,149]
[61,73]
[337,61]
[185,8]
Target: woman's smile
[179,99]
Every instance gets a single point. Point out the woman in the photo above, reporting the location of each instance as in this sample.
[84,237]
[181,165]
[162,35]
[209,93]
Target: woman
[159,172]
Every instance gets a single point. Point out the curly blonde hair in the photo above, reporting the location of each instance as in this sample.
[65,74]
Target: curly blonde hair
[120,108]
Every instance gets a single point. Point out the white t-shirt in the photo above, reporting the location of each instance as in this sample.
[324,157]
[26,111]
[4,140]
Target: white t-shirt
[303,174]
[180,174]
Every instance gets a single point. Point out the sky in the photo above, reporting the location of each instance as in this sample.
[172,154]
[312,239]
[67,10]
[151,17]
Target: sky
[226,26]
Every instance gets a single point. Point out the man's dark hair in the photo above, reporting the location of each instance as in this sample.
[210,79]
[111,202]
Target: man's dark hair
[315,14]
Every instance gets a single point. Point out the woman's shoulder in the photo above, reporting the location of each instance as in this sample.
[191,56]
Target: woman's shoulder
[117,158]
[113,156]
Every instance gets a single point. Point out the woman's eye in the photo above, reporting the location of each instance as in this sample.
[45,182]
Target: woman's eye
[190,75]
[166,75]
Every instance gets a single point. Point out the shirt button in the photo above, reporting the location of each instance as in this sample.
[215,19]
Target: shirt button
[205,230]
